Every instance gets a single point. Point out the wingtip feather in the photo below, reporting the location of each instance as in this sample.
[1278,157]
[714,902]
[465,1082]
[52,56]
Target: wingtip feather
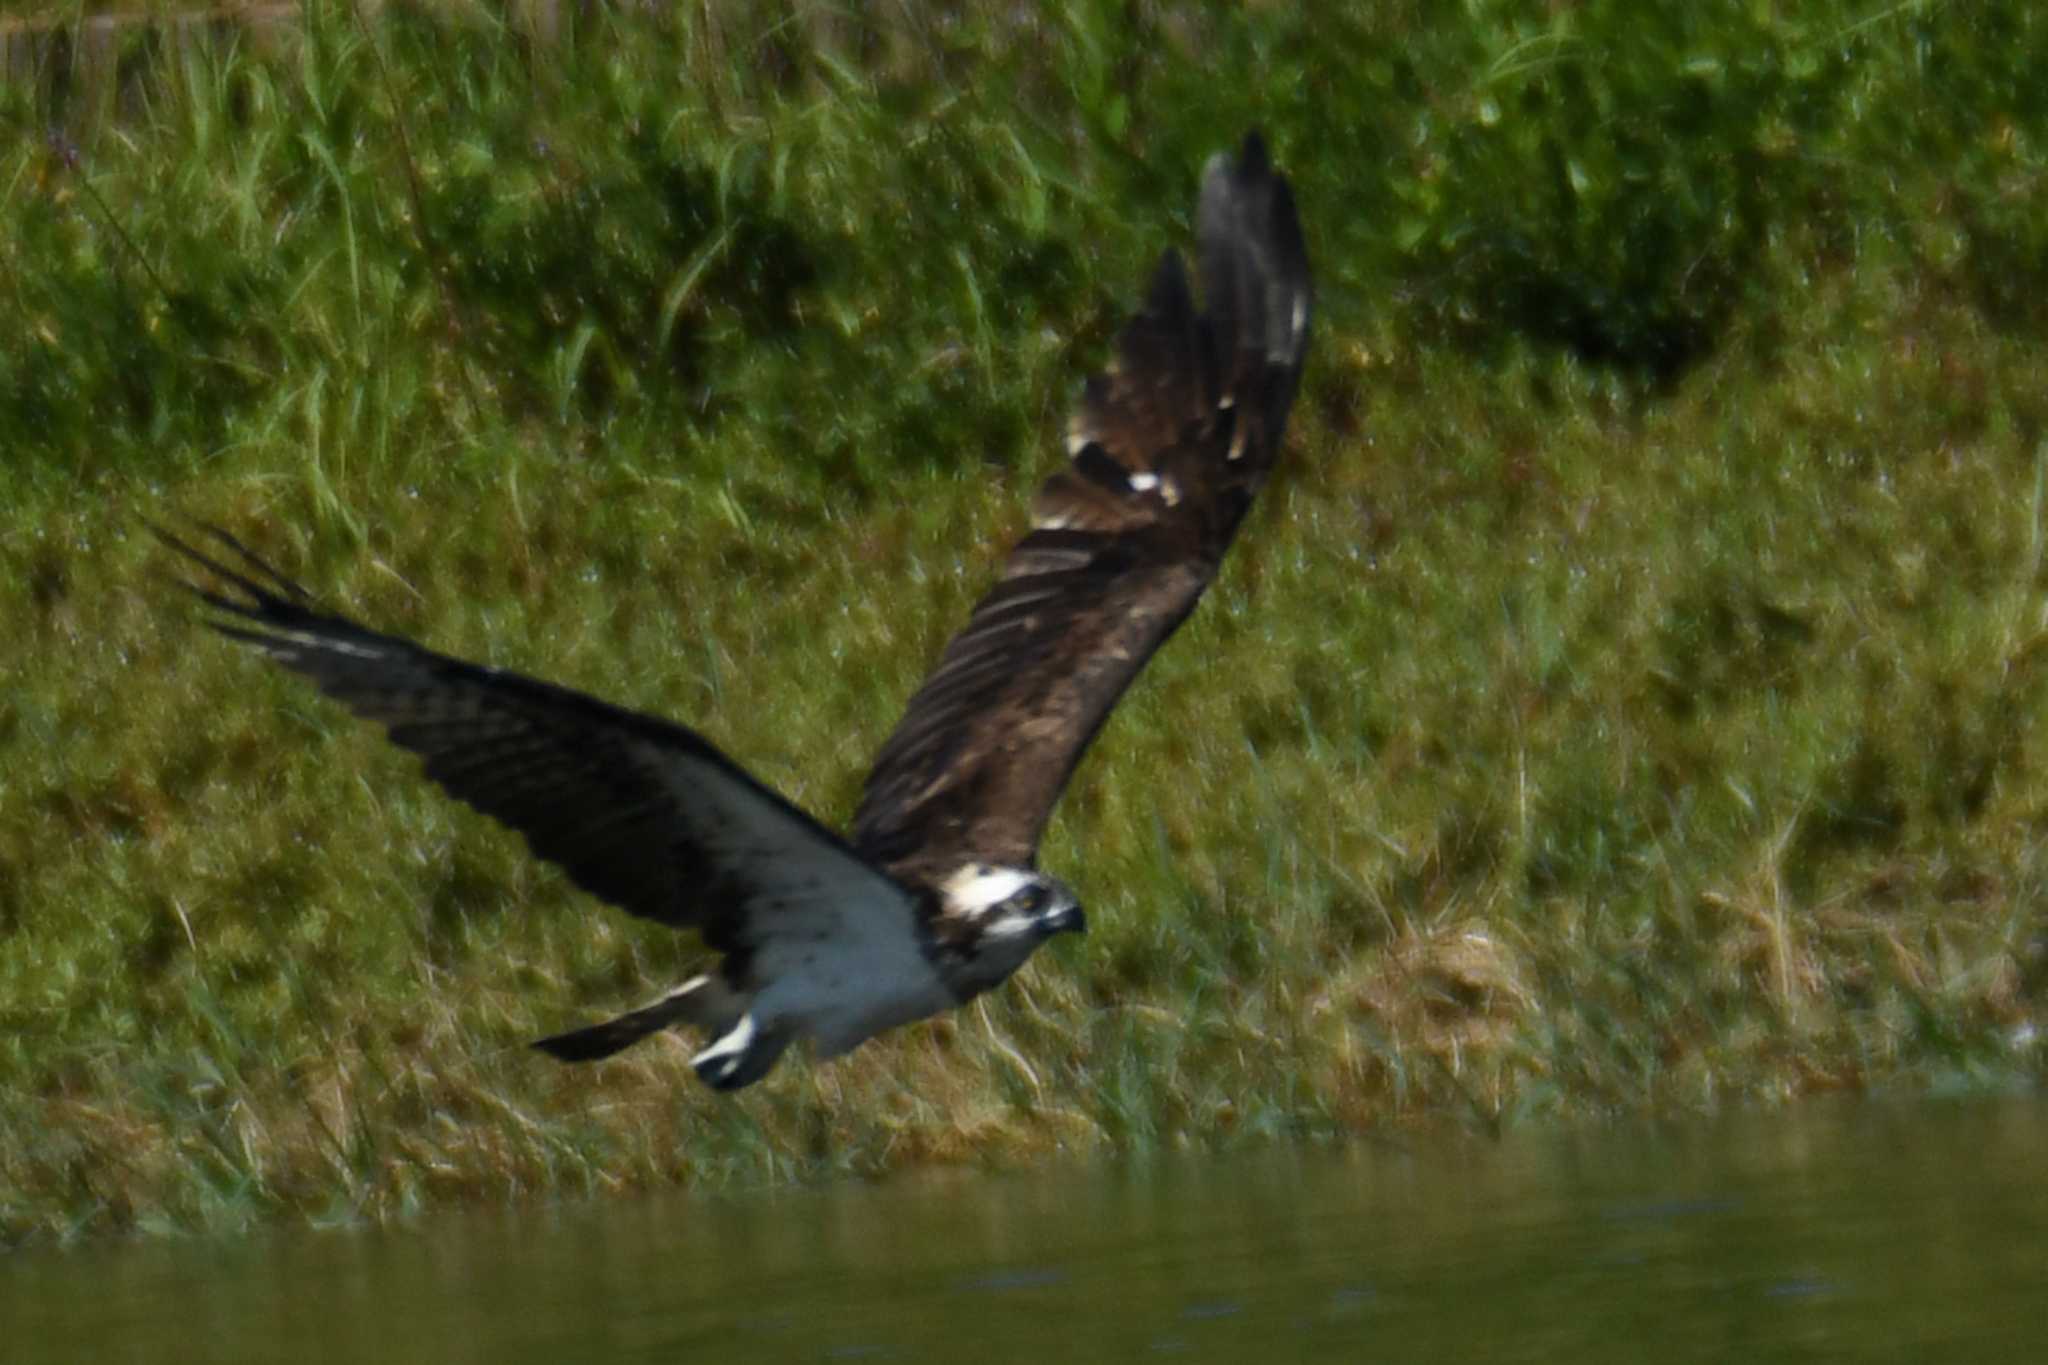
[1255,274]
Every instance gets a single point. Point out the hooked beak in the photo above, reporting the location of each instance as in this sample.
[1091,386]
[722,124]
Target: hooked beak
[1068,919]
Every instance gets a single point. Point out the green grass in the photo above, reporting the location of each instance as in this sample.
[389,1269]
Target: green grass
[1629,696]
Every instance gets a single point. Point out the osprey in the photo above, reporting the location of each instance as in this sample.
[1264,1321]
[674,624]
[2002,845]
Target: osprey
[934,895]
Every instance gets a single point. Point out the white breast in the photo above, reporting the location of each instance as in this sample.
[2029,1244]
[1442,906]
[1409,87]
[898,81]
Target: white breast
[842,973]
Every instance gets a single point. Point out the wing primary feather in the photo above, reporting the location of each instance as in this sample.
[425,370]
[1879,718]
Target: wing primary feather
[1171,304]
[278,584]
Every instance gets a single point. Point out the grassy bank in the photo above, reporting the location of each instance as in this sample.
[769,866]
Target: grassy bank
[1631,695]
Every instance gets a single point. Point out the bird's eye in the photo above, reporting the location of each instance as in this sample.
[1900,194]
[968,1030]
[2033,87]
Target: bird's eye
[1029,900]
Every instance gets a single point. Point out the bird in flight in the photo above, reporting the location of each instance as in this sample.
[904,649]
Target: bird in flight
[934,894]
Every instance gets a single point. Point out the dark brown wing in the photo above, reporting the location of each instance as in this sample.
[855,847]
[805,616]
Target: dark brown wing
[640,812]
[1167,450]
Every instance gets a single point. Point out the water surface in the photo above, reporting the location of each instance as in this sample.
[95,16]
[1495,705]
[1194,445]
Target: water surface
[1832,1232]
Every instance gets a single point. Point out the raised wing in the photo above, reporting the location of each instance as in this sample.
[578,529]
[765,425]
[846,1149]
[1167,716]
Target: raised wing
[640,812]
[1168,449]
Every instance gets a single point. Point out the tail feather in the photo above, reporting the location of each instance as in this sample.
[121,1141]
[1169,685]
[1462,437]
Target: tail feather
[705,1001]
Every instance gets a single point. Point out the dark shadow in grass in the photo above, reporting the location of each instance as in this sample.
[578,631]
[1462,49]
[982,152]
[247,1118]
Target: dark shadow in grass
[1641,325]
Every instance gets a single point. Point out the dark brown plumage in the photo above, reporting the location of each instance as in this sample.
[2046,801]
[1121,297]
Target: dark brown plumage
[1167,450]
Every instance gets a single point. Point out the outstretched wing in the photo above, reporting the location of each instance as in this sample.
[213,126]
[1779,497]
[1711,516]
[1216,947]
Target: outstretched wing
[640,812]
[1167,450]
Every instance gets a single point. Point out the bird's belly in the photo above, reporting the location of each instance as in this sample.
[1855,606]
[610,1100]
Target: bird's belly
[840,1011]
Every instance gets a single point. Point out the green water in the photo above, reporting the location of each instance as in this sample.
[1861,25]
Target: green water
[1833,1232]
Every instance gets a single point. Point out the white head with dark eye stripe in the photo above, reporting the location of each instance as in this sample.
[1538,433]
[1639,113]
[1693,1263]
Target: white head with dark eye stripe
[1007,912]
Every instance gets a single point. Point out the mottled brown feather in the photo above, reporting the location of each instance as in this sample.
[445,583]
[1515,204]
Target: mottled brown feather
[1167,449]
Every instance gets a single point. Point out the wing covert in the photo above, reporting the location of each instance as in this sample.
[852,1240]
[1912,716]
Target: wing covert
[638,811]
[1166,450]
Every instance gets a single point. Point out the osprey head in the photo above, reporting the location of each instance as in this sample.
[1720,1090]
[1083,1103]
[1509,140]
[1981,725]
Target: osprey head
[1011,904]
[995,916]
